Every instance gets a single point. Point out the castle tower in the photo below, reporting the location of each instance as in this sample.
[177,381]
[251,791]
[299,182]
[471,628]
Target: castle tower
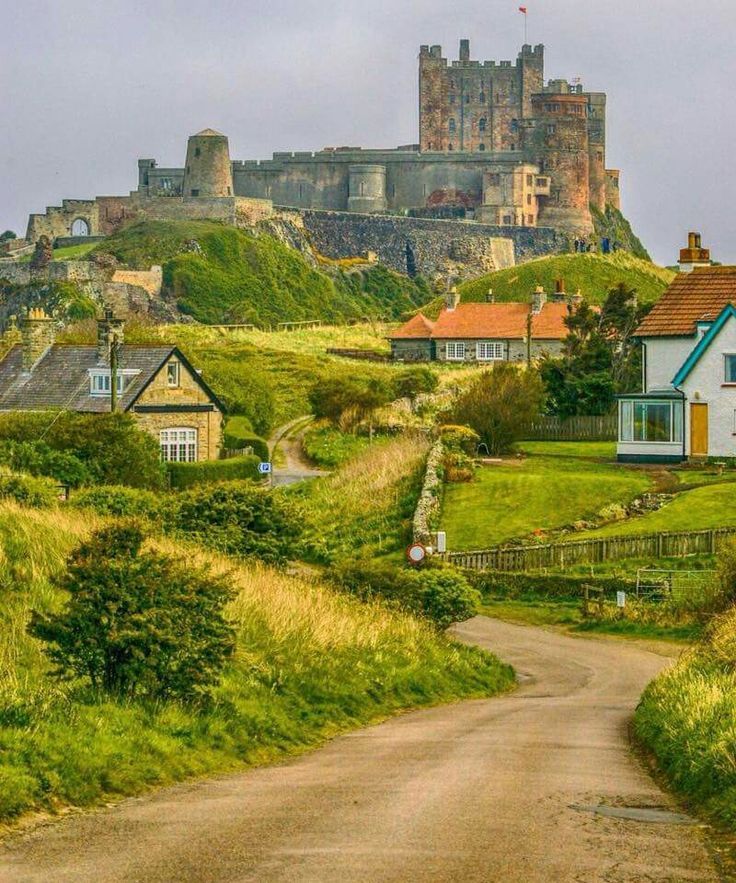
[208,170]
[559,144]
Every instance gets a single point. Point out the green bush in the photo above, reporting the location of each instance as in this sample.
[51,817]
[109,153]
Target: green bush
[118,501]
[112,448]
[28,489]
[37,458]
[239,434]
[137,623]
[238,518]
[412,382]
[184,475]
[440,594]
[460,438]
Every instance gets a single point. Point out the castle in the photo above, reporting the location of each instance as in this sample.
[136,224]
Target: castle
[497,145]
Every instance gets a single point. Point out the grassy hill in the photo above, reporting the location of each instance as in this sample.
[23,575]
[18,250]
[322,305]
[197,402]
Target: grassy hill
[220,274]
[593,274]
[309,664]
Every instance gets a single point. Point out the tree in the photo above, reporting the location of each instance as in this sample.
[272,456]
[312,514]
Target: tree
[599,357]
[137,623]
[412,382]
[499,404]
[7,236]
[348,402]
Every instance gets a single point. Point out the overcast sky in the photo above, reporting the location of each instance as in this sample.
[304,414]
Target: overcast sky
[88,86]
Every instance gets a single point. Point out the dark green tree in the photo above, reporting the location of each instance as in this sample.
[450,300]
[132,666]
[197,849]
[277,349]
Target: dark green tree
[137,623]
[7,235]
[412,382]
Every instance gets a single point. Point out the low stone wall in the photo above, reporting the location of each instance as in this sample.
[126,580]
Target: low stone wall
[434,247]
[430,499]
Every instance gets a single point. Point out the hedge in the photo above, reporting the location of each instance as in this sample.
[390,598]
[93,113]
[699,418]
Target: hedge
[516,585]
[185,475]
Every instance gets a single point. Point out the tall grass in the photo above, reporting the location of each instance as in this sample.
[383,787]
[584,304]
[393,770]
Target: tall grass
[309,663]
[687,718]
[366,506]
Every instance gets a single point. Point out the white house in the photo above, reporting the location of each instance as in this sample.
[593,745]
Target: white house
[688,404]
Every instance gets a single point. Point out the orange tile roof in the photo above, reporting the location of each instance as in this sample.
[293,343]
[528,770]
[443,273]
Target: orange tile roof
[694,297]
[501,321]
[418,327]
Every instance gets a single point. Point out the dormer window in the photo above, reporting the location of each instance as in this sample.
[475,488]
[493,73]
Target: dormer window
[173,375]
[100,381]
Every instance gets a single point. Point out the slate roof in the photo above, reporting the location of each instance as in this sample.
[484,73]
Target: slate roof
[694,297]
[60,379]
[417,328]
[491,321]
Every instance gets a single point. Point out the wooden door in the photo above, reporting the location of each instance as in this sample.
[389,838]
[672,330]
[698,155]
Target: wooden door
[698,430]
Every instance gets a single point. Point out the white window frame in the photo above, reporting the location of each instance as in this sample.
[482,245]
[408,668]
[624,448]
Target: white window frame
[179,444]
[489,351]
[455,351]
[99,381]
[626,421]
[175,382]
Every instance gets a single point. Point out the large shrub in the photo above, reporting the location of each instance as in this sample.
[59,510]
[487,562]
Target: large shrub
[27,489]
[37,458]
[413,381]
[499,405]
[238,518]
[119,501]
[440,594]
[137,623]
[348,401]
[112,447]
[184,475]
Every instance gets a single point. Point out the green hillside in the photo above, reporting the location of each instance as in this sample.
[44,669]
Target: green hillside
[593,274]
[220,274]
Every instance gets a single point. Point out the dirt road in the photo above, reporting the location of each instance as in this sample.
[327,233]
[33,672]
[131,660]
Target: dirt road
[294,466]
[498,790]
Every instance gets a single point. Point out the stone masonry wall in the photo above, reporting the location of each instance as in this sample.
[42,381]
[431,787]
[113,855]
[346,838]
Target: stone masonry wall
[437,247]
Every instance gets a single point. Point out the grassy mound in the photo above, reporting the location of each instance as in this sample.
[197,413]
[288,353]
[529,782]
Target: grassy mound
[611,224]
[687,718]
[220,274]
[594,274]
[310,663]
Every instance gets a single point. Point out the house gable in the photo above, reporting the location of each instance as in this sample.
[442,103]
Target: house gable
[190,390]
[727,314]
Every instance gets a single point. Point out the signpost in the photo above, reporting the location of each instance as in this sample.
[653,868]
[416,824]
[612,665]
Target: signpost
[264,468]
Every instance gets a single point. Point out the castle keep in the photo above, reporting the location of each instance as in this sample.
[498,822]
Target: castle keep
[497,145]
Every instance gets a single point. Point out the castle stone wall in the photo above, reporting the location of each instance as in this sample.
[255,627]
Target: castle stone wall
[435,247]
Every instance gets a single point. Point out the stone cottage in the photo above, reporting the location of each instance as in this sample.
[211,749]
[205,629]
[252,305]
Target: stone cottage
[156,384]
[486,332]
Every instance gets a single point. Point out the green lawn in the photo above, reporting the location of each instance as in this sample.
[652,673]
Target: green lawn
[700,509]
[603,450]
[540,493]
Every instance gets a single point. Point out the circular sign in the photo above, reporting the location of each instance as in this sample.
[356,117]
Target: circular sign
[416,553]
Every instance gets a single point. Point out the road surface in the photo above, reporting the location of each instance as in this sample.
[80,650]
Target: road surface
[491,790]
[296,467]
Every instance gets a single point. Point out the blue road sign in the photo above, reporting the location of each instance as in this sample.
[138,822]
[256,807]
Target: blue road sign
[264,468]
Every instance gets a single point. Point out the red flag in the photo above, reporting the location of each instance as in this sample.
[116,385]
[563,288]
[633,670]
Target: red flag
[522,9]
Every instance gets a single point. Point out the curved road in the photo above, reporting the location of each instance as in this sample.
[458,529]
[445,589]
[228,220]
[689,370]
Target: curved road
[490,790]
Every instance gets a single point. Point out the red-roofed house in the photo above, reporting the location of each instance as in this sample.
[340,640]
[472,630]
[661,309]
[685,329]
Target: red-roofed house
[687,407]
[484,332]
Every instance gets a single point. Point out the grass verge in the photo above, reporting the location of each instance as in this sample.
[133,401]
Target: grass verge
[310,663]
[687,719]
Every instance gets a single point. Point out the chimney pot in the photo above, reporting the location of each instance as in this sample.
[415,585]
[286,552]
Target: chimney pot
[109,329]
[37,336]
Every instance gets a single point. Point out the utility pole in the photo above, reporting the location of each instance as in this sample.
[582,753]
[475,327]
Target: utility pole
[529,317]
[114,344]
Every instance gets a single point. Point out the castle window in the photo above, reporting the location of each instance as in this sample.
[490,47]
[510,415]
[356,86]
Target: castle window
[551,129]
[482,98]
[530,220]
[514,126]
[467,99]
[529,180]
[450,147]
[197,151]
[494,180]
[513,146]
[195,192]
[481,147]
[528,199]
[452,125]
[452,99]
[482,123]
[508,220]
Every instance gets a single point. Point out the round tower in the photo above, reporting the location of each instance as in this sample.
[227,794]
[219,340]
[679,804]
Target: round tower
[367,189]
[559,144]
[208,170]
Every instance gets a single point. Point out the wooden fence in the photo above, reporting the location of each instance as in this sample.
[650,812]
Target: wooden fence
[593,551]
[584,428]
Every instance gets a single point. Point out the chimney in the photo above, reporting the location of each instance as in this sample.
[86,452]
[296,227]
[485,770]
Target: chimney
[559,295]
[108,328]
[694,255]
[37,336]
[574,300]
[539,298]
[490,297]
[453,298]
